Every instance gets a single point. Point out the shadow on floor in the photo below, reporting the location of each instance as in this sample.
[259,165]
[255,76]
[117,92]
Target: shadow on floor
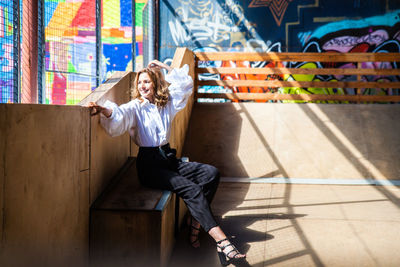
[206,255]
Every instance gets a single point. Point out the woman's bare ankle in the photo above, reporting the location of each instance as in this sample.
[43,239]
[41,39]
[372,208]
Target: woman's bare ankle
[194,231]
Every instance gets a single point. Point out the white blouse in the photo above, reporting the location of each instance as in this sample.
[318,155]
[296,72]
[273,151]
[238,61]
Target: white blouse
[149,125]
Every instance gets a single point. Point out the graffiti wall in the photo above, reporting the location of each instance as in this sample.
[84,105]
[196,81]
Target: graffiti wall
[283,26]
[70,33]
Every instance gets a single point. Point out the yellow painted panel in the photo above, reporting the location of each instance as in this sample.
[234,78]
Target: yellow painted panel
[111,14]
[62,19]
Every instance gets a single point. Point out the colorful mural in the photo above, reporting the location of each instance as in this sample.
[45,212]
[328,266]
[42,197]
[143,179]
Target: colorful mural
[257,25]
[70,27]
[280,26]
[70,40]
[6,52]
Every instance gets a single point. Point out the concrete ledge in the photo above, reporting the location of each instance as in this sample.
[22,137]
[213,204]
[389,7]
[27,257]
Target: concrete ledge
[329,141]
[131,225]
[315,181]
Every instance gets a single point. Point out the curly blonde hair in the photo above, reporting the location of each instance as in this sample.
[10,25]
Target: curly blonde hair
[160,85]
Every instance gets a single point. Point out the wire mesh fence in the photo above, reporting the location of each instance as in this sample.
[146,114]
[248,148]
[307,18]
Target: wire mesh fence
[116,36]
[9,51]
[70,50]
[74,61]
[79,44]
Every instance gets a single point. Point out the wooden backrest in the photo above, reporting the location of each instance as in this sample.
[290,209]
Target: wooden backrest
[300,76]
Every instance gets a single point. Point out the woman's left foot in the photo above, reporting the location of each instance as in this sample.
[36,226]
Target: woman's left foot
[194,231]
[227,252]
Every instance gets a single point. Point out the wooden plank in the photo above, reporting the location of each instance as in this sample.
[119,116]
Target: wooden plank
[184,56]
[359,66]
[279,71]
[181,121]
[313,57]
[305,97]
[318,84]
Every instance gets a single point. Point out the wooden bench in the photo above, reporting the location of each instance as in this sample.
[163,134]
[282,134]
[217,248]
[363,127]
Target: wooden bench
[299,76]
[131,225]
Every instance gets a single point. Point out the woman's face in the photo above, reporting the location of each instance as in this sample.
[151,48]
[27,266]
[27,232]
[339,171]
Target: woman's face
[146,87]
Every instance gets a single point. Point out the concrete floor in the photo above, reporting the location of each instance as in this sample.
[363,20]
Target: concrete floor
[302,225]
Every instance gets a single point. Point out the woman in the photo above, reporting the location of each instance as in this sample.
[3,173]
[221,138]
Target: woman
[148,119]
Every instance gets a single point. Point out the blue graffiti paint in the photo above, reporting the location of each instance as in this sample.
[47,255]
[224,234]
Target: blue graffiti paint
[389,19]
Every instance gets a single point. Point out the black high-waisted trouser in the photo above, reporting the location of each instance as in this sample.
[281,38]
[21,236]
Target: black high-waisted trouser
[194,182]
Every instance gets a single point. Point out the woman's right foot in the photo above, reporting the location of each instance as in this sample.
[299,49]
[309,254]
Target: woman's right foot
[227,252]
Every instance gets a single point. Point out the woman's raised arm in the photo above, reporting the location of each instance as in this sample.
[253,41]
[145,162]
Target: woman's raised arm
[180,88]
[156,63]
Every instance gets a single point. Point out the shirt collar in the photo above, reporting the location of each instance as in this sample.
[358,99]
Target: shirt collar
[144,102]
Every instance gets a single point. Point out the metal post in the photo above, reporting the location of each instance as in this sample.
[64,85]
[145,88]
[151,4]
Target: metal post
[41,54]
[149,32]
[98,43]
[151,19]
[16,52]
[133,35]
[156,28]
[145,23]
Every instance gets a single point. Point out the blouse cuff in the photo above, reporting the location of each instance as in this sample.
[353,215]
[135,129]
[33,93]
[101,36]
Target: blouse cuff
[110,105]
[177,75]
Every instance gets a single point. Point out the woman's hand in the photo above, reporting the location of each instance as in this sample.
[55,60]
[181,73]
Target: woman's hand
[96,109]
[159,64]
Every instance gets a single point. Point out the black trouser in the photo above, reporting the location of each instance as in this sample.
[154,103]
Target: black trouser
[194,182]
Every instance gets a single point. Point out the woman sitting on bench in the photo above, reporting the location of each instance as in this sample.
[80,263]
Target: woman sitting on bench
[148,118]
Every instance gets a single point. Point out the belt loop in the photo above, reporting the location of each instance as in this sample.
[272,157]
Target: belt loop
[162,152]
[166,146]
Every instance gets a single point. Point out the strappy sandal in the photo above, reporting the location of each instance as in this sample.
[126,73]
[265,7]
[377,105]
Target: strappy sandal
[230,256]
[192,228]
